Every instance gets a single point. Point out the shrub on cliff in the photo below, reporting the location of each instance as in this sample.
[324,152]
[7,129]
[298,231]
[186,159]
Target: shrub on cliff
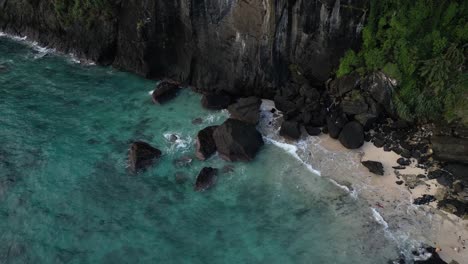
[85,12]
[422,44]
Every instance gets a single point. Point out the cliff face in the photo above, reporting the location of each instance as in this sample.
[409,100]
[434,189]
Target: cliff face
[240,46]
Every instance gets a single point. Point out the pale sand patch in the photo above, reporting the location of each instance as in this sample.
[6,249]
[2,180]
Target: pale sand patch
[407,222]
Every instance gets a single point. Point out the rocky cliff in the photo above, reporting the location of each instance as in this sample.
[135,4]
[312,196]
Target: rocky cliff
[239,46]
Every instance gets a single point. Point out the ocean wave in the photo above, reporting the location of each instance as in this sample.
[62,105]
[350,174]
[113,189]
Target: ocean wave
[292,150]
[42,51]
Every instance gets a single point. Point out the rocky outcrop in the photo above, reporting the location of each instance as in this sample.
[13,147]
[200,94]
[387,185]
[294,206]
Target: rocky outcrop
[142,155]
[246,109]
[206,179]
[165,91]
[242,47]
[206,145]
[237,140]
[450,148]
[290,129]
[352,135]
[374,167]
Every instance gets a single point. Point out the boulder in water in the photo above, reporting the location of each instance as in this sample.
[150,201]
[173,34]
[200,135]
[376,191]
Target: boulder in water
[206,178]
[165,91]
[374,167]
[246,109]
[141,156]
[352,135]
[237,140]
[206,145]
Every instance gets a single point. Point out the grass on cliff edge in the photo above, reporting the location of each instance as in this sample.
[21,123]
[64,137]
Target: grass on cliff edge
[423,44]
[85,12]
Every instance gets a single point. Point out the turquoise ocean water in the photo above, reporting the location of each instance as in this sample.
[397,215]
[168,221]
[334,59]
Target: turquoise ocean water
[66,195]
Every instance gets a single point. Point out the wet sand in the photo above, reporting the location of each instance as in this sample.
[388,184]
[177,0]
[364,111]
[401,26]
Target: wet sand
[405,222]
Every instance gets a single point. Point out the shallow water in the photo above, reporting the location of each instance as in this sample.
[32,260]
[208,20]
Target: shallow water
[66,195]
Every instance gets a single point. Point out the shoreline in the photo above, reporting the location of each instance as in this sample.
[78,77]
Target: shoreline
[391,204]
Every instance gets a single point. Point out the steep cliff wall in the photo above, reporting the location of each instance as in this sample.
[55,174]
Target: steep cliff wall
[240,46]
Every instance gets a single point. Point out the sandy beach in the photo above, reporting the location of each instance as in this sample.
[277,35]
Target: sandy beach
[391,203]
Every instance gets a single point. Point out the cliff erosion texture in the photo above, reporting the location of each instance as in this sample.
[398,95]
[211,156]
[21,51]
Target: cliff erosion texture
[244,47]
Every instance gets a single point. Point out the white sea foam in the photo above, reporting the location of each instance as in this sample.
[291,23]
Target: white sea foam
[180,143]
[43,51]
[379,218]
[292,150]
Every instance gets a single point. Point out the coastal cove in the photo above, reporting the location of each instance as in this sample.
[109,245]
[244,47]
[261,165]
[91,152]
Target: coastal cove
[313,202]
[67,195]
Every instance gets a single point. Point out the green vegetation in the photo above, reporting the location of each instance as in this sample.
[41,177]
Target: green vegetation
[84,12]
[422,44]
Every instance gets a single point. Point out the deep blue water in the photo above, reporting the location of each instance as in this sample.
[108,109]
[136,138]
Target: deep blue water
[66,195]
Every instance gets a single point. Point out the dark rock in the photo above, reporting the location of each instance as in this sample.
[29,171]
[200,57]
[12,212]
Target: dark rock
[421,176]
[237,140]
[399,167]
[355,104]
[335,123]
[309,92]
[180,177]
[343,85]
[459,171]
[352,135]
[290,129]
[425,199]
[374,108]
[325,130]
[400,124]
[141,156]
[387,148]
[366,120]
[404,162]
[374,167]
[173,138]
[445,180]
[436,174]
[206,145]
[316,118]
[399,182]
[456,207]
[433,259]
[284,105]
[450,149]
[458,186]
[405,153]
[165,91]
[378,142]
[206,179]
[381,89]
[216,101]
[246,109]
[313,131]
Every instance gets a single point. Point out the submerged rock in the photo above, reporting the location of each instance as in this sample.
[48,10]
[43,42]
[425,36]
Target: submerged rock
[206,179]
[374,167]
[237,140]
[352,135]
[206,145]
[165,91]
[246,109]
[141,156]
